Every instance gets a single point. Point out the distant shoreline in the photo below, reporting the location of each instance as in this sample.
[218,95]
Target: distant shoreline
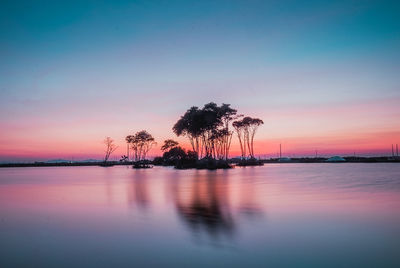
[383,159]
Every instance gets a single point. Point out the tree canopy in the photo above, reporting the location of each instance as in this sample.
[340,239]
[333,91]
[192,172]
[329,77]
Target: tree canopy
[141,143]
[246,129]
[169,144]
[207,129]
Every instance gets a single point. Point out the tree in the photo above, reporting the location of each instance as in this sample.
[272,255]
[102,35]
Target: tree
[189,125]
[239,128]
[246,129]
[141,143]
[110,147]
[179,158]
[253,126]
[169,144]
[174,154]
[227,115]
[128,140]
[207,129]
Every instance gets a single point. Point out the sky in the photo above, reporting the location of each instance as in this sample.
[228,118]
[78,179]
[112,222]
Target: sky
[323,75]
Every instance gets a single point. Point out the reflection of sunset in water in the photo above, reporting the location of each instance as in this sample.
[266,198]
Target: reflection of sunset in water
[336,212]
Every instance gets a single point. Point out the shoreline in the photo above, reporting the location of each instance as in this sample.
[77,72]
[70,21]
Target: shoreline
[266,161]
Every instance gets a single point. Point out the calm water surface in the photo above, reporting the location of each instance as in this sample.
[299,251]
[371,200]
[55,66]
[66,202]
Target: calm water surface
[298,215]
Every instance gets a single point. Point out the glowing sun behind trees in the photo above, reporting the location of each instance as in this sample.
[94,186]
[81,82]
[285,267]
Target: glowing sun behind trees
[208,130]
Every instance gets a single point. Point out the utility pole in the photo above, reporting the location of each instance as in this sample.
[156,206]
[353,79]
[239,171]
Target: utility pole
[397,149]
[280,150]
[392,151]
[316,153]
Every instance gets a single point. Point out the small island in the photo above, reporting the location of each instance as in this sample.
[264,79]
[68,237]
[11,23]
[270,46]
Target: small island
[209,130]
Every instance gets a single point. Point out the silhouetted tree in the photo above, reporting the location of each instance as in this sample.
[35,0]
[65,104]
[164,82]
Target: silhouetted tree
[240,130]
[128,140]
[174,154]
[207,129]
[253,126]
[227,115]
[246,129]
[141,143]
[169,144]
[178,157]
[189,125]
[110,147]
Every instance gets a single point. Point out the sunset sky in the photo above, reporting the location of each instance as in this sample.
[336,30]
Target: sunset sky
[323,75]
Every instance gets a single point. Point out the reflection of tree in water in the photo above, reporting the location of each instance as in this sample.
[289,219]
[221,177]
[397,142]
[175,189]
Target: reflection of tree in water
[204,202]
[248,206]
[205,205]
[137,191]
[207,213]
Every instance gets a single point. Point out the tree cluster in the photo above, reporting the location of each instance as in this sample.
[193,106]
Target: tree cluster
[208,129]
[141,143]
[246,129]
[174,155]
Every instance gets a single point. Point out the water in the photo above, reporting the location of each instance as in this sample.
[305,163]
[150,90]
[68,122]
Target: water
[298,215]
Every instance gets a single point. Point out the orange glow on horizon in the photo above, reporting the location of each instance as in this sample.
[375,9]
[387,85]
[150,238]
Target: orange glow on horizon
[364,128]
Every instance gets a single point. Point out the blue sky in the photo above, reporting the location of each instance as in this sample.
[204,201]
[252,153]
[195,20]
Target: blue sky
[136,64]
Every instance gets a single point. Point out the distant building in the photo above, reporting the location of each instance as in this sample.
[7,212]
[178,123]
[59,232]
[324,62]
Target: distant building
[284,159]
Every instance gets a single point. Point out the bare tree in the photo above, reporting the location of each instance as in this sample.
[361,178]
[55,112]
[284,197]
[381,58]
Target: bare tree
[110,147]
